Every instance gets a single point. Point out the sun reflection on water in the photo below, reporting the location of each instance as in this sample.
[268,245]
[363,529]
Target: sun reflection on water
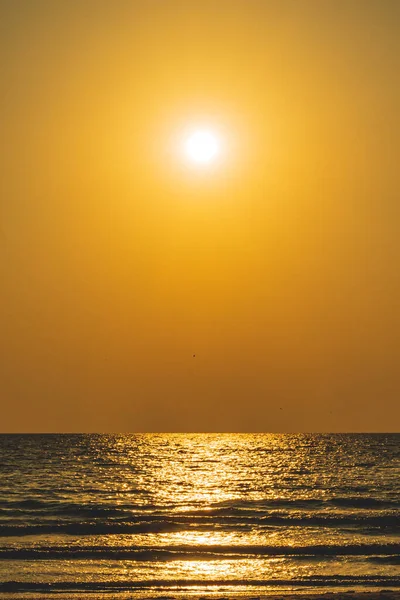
[206,508]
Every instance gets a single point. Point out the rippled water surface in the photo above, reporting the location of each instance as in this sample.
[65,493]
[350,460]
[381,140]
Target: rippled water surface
[147,515]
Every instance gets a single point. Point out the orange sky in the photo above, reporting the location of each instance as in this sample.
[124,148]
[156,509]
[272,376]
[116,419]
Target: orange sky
[278,268]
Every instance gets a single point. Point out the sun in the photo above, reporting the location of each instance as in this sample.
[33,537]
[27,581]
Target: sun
[202,146]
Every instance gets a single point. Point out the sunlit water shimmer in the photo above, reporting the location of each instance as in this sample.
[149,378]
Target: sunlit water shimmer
[202,515]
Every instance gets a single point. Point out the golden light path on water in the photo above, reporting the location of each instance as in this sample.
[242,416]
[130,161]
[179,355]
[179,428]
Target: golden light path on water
[208,474]
[209,477]
[206,514]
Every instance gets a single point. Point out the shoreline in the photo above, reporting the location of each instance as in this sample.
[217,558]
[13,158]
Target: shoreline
[382,594]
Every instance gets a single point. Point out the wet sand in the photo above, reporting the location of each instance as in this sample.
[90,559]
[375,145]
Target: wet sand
[383,594]
[345,595]
[339,595]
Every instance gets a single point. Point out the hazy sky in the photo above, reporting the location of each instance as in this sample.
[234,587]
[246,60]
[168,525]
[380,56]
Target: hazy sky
[278,267]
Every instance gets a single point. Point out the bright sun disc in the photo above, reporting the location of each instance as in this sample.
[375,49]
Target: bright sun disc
[202,147]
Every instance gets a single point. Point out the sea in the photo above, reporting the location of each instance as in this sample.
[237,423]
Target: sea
[198,515]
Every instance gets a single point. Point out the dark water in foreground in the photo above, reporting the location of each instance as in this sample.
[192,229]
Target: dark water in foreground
[226,515]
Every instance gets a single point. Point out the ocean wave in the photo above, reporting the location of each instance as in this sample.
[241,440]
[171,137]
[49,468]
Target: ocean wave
[104,586]
[357,502]
[239,507]
[360,502]
[204,522]
[54,507]
[198,552]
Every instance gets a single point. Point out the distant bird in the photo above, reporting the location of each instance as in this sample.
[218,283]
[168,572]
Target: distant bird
[194,356]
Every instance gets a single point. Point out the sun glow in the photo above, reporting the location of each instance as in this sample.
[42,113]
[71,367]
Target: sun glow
[202,146]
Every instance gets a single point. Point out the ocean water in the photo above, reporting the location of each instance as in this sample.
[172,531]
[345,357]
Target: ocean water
[136,516]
